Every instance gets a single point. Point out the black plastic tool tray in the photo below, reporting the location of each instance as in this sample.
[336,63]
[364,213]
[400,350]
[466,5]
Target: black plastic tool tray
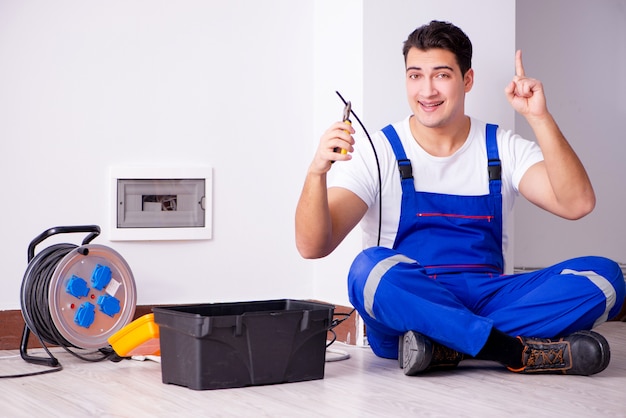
[227,345]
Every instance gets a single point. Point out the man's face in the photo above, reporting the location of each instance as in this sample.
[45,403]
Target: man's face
[435,87]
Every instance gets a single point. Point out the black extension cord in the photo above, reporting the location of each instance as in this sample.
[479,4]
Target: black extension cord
[36,309]
[380,181]
[35,302]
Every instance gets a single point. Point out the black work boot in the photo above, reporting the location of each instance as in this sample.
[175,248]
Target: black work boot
[581,353]
[417,353]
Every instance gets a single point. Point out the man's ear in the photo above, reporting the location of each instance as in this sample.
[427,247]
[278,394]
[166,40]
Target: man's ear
[468,80]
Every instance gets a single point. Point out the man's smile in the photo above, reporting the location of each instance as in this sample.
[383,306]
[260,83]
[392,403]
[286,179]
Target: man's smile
[430,105]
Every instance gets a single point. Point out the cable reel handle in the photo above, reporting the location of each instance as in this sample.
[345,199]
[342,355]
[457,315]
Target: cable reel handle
[93,230]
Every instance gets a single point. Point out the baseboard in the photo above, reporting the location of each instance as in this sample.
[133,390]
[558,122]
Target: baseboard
[12,327]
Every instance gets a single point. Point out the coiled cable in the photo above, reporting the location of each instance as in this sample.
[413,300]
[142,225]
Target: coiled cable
[36,303]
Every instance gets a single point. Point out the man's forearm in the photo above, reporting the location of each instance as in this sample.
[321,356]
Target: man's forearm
[567,175]
[313,220]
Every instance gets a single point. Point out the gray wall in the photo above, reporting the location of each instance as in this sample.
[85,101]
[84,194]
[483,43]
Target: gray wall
[577,48]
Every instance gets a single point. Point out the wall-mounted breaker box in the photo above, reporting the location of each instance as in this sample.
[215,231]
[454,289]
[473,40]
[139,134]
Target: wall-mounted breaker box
[161,203]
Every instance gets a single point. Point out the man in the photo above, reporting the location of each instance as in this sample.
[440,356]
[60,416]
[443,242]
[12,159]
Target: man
[430,285]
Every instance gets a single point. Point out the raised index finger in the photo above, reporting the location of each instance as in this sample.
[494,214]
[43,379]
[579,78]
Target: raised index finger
[519,68]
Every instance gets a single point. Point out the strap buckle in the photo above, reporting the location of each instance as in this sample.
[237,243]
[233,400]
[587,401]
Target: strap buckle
[406,169]
[495,170]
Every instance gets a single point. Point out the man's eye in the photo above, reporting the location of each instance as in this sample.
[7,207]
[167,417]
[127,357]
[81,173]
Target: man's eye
[443,75]
[414,76]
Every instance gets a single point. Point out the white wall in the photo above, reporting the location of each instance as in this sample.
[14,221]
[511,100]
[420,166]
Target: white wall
[338,67]
[244,86]
[578,49]
[88,85]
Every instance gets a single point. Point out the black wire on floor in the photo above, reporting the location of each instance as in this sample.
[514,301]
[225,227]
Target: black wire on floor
[337,355]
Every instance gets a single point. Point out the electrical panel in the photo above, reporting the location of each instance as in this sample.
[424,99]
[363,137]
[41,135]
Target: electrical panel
[152,203]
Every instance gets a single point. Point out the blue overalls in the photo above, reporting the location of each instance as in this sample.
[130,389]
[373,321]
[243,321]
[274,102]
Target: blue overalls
[444,275]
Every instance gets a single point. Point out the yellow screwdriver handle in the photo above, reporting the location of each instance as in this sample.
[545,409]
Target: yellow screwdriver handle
[346,119]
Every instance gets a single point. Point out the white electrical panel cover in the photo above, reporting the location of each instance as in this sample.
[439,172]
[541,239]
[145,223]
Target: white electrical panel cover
[160,203]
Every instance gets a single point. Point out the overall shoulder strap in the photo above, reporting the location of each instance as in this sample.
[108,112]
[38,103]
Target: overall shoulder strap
[493,156]
[404,164]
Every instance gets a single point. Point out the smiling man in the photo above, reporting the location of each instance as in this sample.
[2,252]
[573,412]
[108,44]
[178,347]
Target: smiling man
[433,201]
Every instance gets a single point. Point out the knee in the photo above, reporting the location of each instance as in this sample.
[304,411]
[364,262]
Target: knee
[612,272]
[357,277]
[370,266]
[366,261]
[370,257]
[610,278]
[359,271]
[602,266]
[619,284]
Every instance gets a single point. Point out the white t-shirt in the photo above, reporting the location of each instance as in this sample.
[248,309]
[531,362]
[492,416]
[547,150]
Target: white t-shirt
[463,173]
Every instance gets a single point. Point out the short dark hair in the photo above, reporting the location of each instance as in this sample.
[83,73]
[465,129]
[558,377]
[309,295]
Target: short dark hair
[442,35]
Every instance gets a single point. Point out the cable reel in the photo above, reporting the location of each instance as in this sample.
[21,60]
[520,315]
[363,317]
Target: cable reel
[75,296]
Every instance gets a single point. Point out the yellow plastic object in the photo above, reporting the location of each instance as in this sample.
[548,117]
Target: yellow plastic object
[139,338]
[344,151]
[346,119]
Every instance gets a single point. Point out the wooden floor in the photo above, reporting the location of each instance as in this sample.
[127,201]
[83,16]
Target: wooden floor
[363,386]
